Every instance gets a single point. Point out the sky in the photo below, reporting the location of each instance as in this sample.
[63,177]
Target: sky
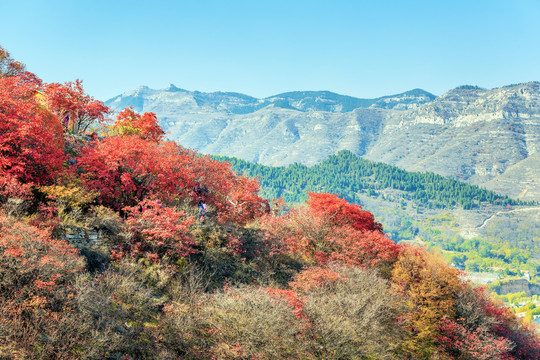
[261,48]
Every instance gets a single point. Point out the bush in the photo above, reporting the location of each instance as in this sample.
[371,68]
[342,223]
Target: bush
[248,322]
[37,306]
[352,314]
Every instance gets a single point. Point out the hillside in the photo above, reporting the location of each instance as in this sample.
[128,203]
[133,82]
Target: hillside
[484,137]
[436,210]
[122,245]
[349,175]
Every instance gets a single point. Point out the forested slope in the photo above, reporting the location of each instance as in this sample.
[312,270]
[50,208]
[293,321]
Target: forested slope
[348,174]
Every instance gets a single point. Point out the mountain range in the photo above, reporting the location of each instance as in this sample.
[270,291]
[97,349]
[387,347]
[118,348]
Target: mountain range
[487,137]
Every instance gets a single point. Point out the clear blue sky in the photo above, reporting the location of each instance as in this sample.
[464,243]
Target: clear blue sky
[261,48]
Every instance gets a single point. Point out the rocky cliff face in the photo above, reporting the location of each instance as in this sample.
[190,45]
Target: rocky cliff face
[485,137]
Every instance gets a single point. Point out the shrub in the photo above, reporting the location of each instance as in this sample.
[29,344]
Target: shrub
[123,310]
[37,313]
[248,322]
[157,232]
[352,313]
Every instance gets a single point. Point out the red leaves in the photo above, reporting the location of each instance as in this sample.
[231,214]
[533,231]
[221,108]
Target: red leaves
[31,144]
[341,213]
[158,231]
[461,343]
[292,298]
[127,169]
[331,229]
[315,277]
[31,262]
[75,109]
[354,247]
[526,343]
[242,203]
[235,196]
[8,66]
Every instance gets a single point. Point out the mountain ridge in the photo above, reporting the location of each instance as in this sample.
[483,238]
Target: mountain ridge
[253,103]
[482,136]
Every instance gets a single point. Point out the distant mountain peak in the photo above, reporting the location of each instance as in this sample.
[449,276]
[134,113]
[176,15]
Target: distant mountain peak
[172,88]
[305,101]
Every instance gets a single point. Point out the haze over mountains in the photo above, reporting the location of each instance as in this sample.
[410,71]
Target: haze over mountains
[484,137]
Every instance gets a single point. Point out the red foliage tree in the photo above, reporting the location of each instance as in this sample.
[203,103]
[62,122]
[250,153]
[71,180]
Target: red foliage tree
[341,213]
[324,232]
[242,202]
[456,341]
[75,109]
[157,232]
[128,122]
[127,169]
[235,196]
[31,142]
[523,337]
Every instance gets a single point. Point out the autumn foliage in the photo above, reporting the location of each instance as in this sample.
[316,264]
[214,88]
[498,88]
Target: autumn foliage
[128,122]
[32,262]
[36,292]
[106,255]
[340,213]
[322,232]
[157,232]
[8,65]
[127,169]
[75,109]
[31,142]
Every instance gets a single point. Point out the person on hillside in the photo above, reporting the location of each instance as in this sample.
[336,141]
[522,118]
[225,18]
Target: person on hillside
[202,211]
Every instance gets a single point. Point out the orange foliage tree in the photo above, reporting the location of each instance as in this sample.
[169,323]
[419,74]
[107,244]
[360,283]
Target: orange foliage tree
[430,287]
[128,122]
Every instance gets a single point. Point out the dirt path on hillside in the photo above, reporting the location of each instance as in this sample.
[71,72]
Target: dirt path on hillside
[506,212]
